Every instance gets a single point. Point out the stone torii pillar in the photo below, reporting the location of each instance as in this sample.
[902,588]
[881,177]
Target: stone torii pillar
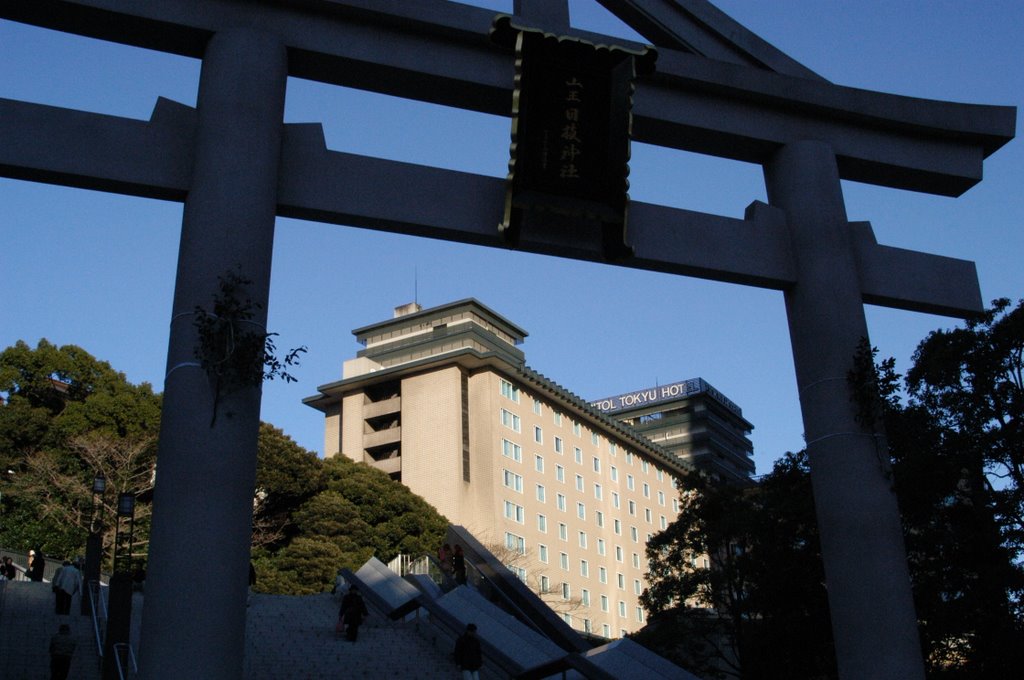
[869,591]
[199,548]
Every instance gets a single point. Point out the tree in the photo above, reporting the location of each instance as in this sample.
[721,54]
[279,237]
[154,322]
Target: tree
[66,416]
[736,582]
[959,454]
[315,516]
[956,451]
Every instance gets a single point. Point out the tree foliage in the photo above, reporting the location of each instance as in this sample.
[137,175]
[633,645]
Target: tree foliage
[66,416]
[957,450]
[736,587]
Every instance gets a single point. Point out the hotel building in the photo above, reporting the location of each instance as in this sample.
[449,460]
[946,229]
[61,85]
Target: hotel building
[442,400]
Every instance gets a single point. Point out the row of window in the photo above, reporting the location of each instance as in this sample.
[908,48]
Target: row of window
[513,421]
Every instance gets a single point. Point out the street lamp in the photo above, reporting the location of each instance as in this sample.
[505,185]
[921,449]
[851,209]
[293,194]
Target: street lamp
[94,543]
[119,596]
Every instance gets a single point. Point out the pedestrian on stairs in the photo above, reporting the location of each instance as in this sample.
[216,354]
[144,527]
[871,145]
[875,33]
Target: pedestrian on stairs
[66,583]
[468,654]
[62,648]
[353,610]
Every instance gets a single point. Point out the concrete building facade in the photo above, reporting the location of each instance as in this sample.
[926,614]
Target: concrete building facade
[442,400]
[692,420]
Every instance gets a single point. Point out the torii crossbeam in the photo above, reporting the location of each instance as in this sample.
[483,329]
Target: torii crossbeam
[718,89]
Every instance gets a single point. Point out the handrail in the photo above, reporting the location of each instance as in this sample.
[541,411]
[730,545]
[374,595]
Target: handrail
[518,612]
[120,649]
[448,582]
[98,630]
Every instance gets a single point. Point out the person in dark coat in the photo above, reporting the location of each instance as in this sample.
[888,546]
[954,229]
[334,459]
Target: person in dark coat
[37,563]
[62,648]
[459,564]
[353,610]
[468,654]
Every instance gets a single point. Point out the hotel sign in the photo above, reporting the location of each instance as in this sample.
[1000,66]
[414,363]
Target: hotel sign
[571,124]
[663,393]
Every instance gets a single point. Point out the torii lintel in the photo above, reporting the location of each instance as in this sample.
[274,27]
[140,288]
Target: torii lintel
[154,159]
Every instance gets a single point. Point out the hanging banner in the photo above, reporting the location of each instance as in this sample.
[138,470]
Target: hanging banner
[571,124]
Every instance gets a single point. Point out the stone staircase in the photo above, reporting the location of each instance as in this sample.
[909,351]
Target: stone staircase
[286,637]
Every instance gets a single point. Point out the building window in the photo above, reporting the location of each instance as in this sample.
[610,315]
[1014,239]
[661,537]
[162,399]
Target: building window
[604,603]
[538,463]
[542,524]
[579,482]
[622,608]
[602,575]
[514,512]
[637,588]
[563,531]
[538,434]
[560,501]
[585,596]
[661,498]
[662,522]
[647,490]
[600,546]
[629,482]
[661,475]
[509,391]
[594,439]
[632,508]
[511,450]
[599,518]
[560,473]
[675,505]
[541,496]
[597,491]
[584,569]
[558,445]
[510,420]
[545,583]
[516,543]
[537,406]
[634,534]
[636,561]
[615,499]
[629,458]
[577,453]
[645,466]
[606,630]
[576,429]
[563,559]
[622,581]
[556,417]
[618,553]
[618,527]
[612,448]
[647,515]
[581,511]
[583,539]
[614,472]
[597,465]
[640,614]
[513,481]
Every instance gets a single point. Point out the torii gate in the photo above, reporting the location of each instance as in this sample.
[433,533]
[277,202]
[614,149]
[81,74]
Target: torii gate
[718,90]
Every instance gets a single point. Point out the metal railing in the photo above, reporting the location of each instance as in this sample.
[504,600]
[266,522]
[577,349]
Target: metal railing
[98,608]
[124,655]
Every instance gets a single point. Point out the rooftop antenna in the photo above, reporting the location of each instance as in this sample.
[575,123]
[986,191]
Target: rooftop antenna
[416,285]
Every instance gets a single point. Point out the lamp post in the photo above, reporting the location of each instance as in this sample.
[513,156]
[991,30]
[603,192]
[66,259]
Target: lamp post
[94,543]
[119,596]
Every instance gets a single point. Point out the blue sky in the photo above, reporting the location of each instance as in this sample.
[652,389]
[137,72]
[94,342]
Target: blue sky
[97,270]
